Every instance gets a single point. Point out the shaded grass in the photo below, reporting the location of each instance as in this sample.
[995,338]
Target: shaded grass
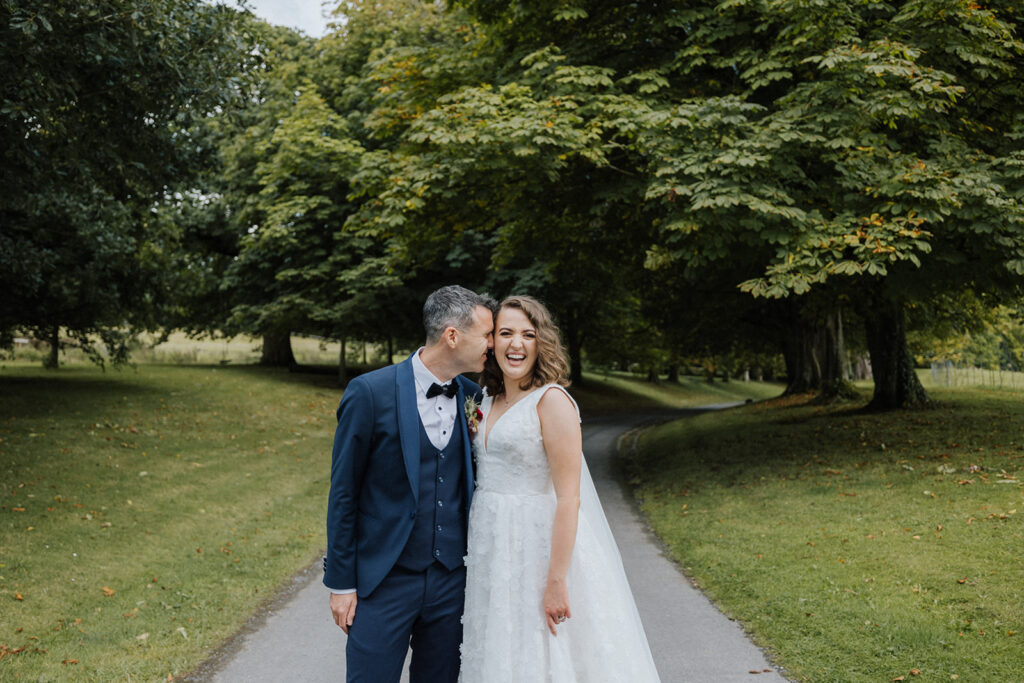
[188,493]
[607,393]
[856,547]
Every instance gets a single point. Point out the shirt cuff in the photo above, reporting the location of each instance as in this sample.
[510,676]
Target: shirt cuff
[342,591]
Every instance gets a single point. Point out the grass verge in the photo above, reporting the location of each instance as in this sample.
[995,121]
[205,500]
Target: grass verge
[604,393]
[146,513]
[854,546]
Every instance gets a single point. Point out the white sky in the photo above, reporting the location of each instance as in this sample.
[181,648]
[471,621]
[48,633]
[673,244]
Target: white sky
[305,15]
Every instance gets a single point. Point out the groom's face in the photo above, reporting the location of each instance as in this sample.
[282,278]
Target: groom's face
[474,343]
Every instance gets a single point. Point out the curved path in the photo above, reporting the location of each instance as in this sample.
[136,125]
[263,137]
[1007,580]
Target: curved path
[296,640]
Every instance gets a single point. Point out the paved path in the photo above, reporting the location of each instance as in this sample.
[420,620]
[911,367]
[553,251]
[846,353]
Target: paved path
[296,640]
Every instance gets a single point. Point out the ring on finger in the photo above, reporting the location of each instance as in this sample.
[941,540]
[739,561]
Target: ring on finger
[562,618]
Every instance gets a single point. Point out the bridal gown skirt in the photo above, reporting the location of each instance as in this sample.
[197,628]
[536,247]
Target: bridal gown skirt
[505,634]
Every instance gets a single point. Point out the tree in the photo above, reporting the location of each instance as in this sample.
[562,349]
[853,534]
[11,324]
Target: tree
[876,144]
[102,101]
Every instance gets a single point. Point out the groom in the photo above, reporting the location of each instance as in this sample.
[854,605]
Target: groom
[401,483]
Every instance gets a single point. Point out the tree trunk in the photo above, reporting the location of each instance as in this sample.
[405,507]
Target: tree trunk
[575,345]
[53,360]
[342,366]
[896,384]
[815,355]
[277,349]
[673,373]
[391,351]
[798,353]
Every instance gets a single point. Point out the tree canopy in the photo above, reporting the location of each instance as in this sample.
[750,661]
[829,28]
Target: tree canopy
[103,108]
[677,180]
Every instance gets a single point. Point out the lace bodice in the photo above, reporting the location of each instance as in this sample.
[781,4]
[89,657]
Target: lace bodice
[512,460]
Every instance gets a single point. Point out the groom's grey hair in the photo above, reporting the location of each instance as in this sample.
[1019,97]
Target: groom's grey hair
[452,306]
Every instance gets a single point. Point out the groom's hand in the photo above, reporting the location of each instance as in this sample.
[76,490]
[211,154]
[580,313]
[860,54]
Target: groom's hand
[343,607]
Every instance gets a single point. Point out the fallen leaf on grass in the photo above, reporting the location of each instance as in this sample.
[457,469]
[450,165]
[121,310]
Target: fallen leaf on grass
[963,580]
[142,636]
[915,672]
[899,678]
[70,661]
[108,591]
[17,596]
[17,509]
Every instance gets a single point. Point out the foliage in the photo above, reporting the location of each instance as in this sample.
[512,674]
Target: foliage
[990,337]
[102,107]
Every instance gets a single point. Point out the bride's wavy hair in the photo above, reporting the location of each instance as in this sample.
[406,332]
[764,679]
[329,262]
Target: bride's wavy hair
[551,365]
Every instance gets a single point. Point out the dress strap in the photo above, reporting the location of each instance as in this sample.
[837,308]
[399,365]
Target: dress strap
[544,389]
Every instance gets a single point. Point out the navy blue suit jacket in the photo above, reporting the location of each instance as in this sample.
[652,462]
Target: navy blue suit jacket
[375,474]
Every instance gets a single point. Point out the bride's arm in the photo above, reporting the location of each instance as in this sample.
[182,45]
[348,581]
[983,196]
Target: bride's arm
[563,443]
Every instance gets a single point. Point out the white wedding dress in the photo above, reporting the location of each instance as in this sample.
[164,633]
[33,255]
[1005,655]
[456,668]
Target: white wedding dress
[505,635]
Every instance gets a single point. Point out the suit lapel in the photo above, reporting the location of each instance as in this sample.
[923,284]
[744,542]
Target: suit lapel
[408,423]
[467,448]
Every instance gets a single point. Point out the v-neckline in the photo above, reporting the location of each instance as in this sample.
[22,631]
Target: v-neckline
[488,427]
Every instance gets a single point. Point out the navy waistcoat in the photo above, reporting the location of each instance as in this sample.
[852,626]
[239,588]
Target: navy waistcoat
[439,533]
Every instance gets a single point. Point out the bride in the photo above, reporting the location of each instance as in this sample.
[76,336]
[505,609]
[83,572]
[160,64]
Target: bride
[547,599]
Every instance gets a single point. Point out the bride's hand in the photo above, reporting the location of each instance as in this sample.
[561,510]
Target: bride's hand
[556,603]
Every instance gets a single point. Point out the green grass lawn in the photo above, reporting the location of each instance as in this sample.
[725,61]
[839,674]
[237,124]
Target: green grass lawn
[146,513]
[855,547]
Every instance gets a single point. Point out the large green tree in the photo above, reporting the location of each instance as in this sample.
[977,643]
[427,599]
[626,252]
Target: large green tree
[103,104]
[871,143]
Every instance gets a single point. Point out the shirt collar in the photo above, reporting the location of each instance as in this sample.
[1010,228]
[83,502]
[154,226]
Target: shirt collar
[424,377]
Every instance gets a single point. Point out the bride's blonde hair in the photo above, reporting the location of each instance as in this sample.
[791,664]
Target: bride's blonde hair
[551,365]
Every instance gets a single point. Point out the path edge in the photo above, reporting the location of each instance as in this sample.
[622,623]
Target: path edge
[622,456]
[222,654]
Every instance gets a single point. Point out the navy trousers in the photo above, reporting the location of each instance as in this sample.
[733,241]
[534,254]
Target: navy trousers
[418,608]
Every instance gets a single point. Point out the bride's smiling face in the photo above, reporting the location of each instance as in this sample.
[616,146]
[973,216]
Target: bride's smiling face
[515,345]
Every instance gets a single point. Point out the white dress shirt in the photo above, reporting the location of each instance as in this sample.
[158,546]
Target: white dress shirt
[437,414]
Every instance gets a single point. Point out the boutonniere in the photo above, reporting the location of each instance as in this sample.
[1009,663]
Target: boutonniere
[473,416]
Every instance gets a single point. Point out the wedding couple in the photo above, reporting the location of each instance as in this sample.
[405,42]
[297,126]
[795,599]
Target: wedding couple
[463,518]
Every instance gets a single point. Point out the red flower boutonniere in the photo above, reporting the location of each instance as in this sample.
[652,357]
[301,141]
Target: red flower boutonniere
[473,416]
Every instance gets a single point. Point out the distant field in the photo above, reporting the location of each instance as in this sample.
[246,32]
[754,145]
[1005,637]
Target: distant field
[180,349]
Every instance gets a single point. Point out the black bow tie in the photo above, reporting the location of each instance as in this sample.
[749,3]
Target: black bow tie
[448,390]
